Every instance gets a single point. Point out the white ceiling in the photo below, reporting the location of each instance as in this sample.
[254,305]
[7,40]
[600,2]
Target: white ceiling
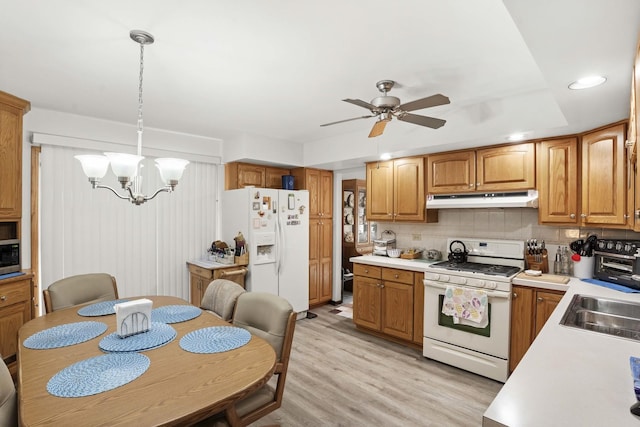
[278,69]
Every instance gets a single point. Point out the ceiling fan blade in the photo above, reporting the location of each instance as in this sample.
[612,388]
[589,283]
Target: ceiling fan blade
[429,122]
[378,128]
[361,103]
[429,101]
[348,120]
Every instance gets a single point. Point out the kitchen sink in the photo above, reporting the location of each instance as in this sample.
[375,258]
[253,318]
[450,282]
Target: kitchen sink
[604,315]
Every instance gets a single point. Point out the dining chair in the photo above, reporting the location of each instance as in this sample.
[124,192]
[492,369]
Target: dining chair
[220,298]
[272,318]
[8,404]
[80,289]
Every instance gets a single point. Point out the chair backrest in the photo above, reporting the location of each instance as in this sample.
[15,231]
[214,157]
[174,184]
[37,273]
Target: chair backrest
[8,404]
[220,298]
[270,317]
[80,289]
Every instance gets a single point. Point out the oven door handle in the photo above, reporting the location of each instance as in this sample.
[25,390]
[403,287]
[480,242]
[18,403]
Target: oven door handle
[490,294]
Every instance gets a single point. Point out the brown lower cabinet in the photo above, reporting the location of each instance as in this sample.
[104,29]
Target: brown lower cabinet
[200,277]
[383,300]
[530,309]
[16,295]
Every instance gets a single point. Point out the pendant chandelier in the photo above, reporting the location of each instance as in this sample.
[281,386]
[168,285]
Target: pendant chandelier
[127,166]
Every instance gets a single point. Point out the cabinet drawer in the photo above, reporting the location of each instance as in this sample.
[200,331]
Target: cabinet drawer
[14,292]
[202,272]
[367,271]
[396,275]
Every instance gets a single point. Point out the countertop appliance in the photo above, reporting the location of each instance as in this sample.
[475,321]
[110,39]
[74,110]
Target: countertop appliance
[9,256]
[386,241]
[618,261]
[489,267]
[275,224]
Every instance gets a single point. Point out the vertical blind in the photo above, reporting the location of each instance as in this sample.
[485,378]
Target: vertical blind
[144,247]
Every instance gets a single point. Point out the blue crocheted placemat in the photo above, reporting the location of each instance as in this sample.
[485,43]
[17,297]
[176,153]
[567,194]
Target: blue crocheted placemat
[174,313]
[98,374]
[215,339]
[65,335]
[160,334]
[103,308]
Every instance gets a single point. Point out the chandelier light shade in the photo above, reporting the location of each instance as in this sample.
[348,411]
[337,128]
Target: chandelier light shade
[126,167]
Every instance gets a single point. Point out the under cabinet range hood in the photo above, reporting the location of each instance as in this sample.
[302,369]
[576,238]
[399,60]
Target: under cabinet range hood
[521,199]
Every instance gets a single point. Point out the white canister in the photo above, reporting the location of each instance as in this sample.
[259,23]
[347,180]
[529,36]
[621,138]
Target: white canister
[583,268]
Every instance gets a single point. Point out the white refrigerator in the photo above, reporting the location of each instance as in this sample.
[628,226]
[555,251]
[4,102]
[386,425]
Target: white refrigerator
[275,225]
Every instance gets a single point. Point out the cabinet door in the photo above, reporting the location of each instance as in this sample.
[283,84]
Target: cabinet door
[273,177]
[418,309]
[12,317]
[451,172]
[11,111]
[546,302]
[604,184]
[367,298]
[314,261]
[522,329]
[558,181]
[313,184]
[506,168]
[380,191]
[408,189]
[326,194]
[397,310]
[251,175]
[326,257]
[195,286]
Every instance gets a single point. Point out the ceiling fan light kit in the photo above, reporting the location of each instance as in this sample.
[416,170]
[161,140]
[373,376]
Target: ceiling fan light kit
[385,107]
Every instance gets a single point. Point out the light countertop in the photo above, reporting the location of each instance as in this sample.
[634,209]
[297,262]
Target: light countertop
[417,264]
[210,265]
[570,376]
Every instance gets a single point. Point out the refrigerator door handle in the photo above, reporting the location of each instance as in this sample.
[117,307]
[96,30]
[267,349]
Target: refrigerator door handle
[278,243]
[282,245]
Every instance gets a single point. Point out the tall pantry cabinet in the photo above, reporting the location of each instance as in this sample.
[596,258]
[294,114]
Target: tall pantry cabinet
[319,183]
[16,293]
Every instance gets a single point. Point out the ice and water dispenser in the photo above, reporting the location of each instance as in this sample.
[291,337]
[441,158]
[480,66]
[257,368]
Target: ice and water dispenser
[264,247]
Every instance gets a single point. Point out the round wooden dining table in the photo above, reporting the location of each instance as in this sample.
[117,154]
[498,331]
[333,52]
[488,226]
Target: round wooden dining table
[179,387]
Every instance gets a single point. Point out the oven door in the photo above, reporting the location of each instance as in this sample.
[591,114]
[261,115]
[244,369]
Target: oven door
[492,340]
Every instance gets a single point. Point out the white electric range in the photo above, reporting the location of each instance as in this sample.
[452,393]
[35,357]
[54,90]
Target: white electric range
[490,266]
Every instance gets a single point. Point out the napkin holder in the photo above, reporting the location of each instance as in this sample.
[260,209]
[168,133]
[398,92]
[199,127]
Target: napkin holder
[133,317]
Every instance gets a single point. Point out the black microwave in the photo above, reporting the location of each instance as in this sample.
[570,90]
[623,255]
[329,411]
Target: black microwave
[9,256]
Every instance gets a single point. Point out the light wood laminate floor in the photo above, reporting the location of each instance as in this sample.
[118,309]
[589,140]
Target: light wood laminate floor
[339,376]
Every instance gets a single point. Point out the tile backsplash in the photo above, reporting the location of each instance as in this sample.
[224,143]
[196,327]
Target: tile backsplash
[503,223]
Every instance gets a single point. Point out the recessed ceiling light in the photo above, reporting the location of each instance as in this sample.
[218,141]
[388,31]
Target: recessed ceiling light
[385,156]
[516,137]
[588,82]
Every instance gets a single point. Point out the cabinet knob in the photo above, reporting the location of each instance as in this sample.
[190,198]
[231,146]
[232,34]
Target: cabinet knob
[515,295]
[583,215]
[396,276]
[540,299]
[470,185]
[638,213]
[366,271]
[572,216]
[3,298]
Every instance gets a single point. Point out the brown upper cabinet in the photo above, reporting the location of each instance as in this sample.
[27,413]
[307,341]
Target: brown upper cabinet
[503,168]
[240,175]
[634,121]
[604,178]
[395,191]
[11,111]
[319,183]
[558,181]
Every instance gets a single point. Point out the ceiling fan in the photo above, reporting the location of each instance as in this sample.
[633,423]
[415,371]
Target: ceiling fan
[385,107]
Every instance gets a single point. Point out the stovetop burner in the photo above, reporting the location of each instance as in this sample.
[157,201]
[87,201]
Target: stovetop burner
[475,267]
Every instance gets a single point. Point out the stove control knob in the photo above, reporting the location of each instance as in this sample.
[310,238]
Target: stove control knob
[627,248]
[609,245]
[445,278]
[601,244]
[618,246]
[481,284]
[491,285]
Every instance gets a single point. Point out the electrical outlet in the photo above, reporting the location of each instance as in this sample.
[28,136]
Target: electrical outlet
[416,237]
